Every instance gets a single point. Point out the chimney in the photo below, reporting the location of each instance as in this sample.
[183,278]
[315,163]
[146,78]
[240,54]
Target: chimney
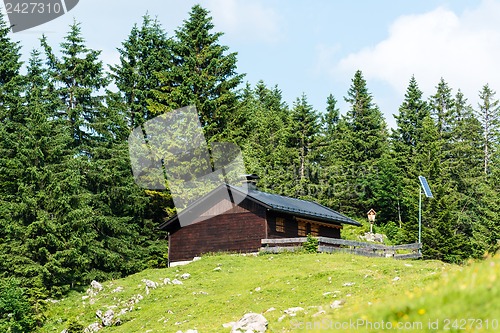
[250,181]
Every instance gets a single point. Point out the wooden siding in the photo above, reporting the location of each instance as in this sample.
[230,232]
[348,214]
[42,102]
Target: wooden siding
[240,230]
[292,227]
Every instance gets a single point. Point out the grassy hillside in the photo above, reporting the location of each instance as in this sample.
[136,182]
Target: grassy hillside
[222,288]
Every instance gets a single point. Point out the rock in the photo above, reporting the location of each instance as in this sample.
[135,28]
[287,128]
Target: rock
[348,284]
[337,304]
[117,290]
[319,313]
[270,309]
[229,325]
[150,284]
[185,276]
[167,281]
[250,322]
[64,330]
[196,258]
[84,297]
[96,285]
[175,281]
[257,289]
[396,278]
[280,319]
[94,327]
[293,311]
[217,269]
[371,237]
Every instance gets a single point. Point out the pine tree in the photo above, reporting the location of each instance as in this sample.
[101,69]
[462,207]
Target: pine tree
[104,224]
[489,116]
[441,107]
[363,136]
[302,138]
[203,74]
[145,53]
[265,131]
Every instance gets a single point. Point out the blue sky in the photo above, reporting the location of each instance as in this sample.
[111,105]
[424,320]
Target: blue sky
[315,47]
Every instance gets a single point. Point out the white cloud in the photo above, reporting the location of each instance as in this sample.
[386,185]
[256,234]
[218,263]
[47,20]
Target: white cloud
[462,48]
[246,20]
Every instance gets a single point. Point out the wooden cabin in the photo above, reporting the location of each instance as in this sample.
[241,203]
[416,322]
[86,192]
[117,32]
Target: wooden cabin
[236,219]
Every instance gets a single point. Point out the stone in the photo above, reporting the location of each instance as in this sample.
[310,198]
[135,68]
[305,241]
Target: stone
[349,284]
[217,269]
[92,328]
[185,276]
[167,281]
[250,322]
[293,311]
[150,284]
[397,278]
[337,304]
[117,290]
[178,282]
[96,285]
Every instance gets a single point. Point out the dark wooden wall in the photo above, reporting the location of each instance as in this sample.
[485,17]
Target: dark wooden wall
[237,230]
[292,228]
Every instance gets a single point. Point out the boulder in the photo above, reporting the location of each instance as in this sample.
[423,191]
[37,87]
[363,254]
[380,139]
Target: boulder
[250,323]
[96,285]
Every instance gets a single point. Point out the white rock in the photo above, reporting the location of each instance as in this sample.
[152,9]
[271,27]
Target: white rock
[85,297]
[107,319]
[117,290]
[257,289]
[96,285]
[167,281]
[217,269]
[270,309]
[396,278]
[250,322]
[185,276]
[94,327]
[280,319]
[178,282]
[150,284]
[348,284]
[196,258]
[337,304]
[319,313]
[408,265]
[293,311]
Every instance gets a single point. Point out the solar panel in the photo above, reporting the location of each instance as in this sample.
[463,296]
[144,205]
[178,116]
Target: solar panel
[425,186]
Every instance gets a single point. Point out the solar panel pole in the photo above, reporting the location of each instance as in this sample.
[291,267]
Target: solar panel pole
[420,219]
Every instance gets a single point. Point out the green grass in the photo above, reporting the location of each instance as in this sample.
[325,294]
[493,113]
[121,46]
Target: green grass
[425,291]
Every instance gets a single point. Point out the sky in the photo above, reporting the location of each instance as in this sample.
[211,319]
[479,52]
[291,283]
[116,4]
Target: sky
[315,47]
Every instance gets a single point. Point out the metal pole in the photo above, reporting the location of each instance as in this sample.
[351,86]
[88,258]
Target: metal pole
[420,218]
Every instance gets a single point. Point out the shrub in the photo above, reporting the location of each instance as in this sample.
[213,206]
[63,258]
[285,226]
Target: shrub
[311,245]
[16,313]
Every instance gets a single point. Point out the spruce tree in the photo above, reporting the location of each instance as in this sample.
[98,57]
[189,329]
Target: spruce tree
[489,115]
[364,141]
[203,74]
[143,54]
[441,107]
[302,138]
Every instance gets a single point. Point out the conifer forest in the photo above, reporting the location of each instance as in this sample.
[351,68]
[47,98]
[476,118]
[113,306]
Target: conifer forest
[70,211]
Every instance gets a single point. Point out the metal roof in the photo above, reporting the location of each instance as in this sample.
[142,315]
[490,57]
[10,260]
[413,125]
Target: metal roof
[304,208]
[278,203]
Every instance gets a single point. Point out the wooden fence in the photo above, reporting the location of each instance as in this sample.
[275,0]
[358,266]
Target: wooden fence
[330,245]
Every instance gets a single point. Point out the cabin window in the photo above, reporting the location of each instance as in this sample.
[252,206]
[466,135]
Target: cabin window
[314,230]
[280,224]
[302,228]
